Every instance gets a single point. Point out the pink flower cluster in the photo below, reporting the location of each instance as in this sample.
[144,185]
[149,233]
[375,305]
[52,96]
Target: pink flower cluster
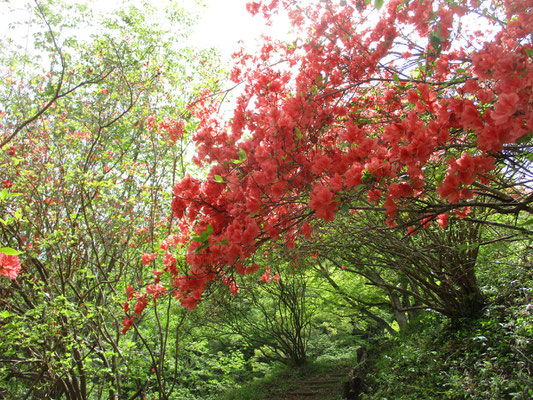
[9,266]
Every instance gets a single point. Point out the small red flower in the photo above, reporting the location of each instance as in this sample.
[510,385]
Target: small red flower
[141,304]
[322,202]
[148,258]
[129,292]
[266,276]
[127,323]
[306,230]
[442,220]
[9,266]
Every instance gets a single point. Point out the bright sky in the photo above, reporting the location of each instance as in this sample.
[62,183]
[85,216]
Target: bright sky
[225,22]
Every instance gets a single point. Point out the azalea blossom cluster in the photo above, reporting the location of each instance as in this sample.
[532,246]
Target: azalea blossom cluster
[9,265]
[408,110]
[173,130]
[154,290]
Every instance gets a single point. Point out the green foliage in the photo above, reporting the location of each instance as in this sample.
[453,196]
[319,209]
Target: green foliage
[483,358]
[204,372]
[271,317]
[88,161]
[89,165]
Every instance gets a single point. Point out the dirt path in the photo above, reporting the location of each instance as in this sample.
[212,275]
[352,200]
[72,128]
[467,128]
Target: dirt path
[324,386]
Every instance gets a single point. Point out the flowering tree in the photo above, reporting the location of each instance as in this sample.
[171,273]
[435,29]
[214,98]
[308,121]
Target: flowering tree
[86,165]
[399,108]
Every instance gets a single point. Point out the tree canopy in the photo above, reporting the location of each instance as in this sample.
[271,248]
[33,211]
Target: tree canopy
[366,203]
[405,108]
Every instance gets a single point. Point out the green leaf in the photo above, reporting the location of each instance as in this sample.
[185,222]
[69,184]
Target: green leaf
[527,222]
[242,157]
[9,251]
[345,207]
[367,177]
[524,139]
[529,52]
[396,78]
[199,249]
[436,39]
[218,178]
[204,236]
[378,4]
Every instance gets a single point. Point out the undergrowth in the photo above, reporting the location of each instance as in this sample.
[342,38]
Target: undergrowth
[488,358]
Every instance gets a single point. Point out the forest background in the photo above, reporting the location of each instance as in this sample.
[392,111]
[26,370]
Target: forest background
[354,198]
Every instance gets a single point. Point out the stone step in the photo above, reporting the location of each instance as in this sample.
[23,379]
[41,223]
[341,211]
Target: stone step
[307,393]
[324,382]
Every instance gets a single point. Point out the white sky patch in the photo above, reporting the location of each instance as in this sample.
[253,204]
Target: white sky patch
[224,23]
